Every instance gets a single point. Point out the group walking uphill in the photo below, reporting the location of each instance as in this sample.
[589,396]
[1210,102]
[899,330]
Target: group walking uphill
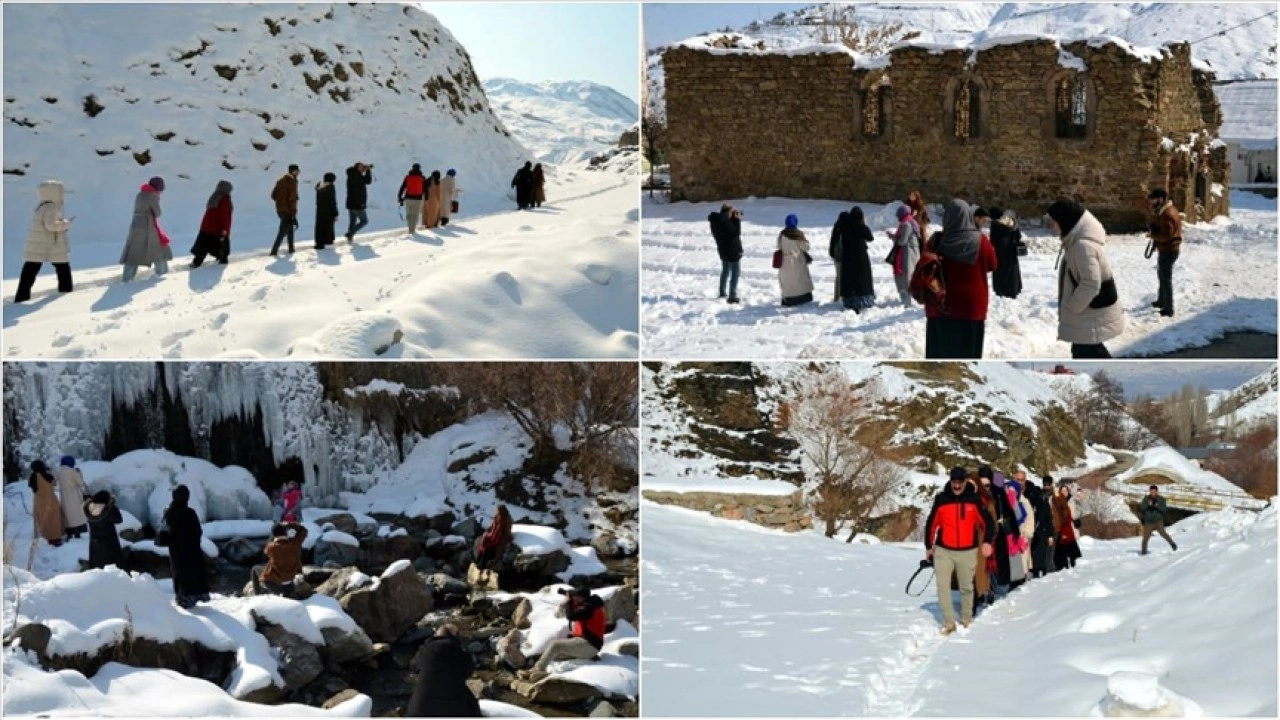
[946,269]
[987,535]
[148,245]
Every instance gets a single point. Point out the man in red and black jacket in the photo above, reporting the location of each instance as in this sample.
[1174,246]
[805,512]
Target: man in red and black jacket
[585,612]
[958,525]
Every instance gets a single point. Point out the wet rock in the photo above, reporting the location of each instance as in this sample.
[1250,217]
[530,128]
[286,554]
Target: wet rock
[243,551]
[299,660]
[386,609]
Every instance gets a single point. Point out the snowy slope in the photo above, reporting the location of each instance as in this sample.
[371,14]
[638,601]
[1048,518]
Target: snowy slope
[1253,402]
[565,122]
[557,282]
[682,318]
[216,91]
[1246,52]
[741,620]
[1082,384]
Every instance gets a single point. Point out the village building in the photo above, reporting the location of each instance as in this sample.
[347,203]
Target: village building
[1249,130]
[1013,122]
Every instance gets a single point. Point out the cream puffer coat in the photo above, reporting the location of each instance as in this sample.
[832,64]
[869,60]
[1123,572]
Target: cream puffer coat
[1084,257]
[47,240]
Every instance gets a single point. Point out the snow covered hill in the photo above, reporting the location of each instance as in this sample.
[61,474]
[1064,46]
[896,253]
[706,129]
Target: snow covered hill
[1240,53]
[741,620]
[682,318]
[234,92]
[1252,403]
[565,122]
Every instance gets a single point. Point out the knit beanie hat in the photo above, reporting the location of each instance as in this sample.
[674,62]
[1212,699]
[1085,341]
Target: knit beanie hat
[451,172]
[157,183]
[68,461]
[792,222]
[959,473]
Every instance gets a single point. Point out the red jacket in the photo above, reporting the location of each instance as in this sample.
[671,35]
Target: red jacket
[588,621]
[967,291]
[217,220]
[958,522]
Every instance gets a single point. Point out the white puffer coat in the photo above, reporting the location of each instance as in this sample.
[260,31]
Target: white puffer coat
[1084,258]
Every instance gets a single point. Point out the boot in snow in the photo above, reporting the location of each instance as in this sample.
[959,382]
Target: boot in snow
[948,628]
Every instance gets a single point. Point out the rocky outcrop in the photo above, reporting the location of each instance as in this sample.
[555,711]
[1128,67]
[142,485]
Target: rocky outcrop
[299,661]
[385,608]
[784,512]
[557,690]
[622,605]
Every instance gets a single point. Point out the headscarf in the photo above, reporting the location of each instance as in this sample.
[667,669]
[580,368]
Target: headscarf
[1066,212]
[222,190]
[960,238]
[181,496]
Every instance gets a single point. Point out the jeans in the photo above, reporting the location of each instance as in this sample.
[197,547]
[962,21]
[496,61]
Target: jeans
[1089,352]
[359,218]
[287,225]
[729,272]
[131,271]
[1164,273]
[28,278]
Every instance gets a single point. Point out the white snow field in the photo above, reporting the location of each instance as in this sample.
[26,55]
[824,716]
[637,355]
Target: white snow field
[745,621]
[682,317]
[562,122]
[560,281]
[238,92]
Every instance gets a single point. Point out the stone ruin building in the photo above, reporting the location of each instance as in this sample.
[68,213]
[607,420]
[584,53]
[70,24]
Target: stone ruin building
[1014,122]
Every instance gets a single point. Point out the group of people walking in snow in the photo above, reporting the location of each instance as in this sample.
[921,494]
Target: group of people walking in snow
[947,270]
[530,185]
[148,245]
[987,533]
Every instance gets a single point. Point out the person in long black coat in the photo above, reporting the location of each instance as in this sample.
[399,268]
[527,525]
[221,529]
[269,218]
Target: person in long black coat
[1006,281]
[849,240]
[1042,541]
[443,668]
[523,183]
[326,211]
[186,558]
[104,544]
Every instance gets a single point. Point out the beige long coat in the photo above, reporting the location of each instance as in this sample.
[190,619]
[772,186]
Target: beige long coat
[71,489]
[47,235]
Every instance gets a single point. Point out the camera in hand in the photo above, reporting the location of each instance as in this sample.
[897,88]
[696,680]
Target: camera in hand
[562,591]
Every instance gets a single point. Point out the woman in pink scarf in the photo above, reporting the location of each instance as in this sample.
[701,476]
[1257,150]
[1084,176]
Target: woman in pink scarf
[147,243]
[906,252]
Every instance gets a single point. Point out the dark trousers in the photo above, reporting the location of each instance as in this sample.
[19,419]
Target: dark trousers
[287,225]
[28,278]
[210,244]
[1164,273]
[729,272]
[359,218]
[1089,352]
[952,339]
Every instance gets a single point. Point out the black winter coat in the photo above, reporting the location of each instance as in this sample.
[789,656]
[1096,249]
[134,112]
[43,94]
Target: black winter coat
[358,188]
[728,234]
[1041,551]
[186,559]
[326,212]
[1006,281]
[523,183]
[443,668]
[104,543]
[849,239]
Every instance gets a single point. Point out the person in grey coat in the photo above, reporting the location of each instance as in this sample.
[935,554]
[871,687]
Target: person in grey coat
[147,243]
[46,241]
[906,252]
[1089,309]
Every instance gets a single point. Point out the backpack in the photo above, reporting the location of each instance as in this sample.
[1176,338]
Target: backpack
[927,286]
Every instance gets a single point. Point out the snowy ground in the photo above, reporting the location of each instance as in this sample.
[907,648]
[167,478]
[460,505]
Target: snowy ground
[741,620]
[682,317]
[559,281]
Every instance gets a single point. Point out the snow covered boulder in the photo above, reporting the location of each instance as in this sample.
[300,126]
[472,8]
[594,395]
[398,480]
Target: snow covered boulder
[243,551]
[337,548]
[344,522]
[299,660]
[544,555]
[384,607]
[1138,694]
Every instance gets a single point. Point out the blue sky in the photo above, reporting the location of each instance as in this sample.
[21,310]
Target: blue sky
[665,23]
[534,42]
[1162,378]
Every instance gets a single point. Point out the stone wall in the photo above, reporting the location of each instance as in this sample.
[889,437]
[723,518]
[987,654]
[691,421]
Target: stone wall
[766,124]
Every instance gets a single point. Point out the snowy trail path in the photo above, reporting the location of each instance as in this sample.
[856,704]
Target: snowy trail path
[683,318]
[743,620]
[478,287]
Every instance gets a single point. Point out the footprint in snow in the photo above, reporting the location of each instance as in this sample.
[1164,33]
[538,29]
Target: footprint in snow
[219,321]
[1098,623]
[525,228]
[623,233]
[259,294]
[598,274]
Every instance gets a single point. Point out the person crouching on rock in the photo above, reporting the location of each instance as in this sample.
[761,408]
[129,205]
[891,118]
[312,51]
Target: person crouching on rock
[585,612]
[284,561]
[443,668]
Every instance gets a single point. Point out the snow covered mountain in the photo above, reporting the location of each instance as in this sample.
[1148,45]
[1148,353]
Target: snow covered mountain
[562,122]
[1238,53]
[236,92]
[1251,403]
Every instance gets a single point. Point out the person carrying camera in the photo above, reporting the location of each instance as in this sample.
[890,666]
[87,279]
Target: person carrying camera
[726,228]
[585,613]
[1153,510]
[284,560]
[359,177]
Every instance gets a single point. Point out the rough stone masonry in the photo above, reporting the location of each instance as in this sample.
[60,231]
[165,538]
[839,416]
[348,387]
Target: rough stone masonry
[1013,124]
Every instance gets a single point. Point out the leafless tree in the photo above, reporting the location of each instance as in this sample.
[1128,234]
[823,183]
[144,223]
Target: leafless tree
[853,476]
[839,25]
